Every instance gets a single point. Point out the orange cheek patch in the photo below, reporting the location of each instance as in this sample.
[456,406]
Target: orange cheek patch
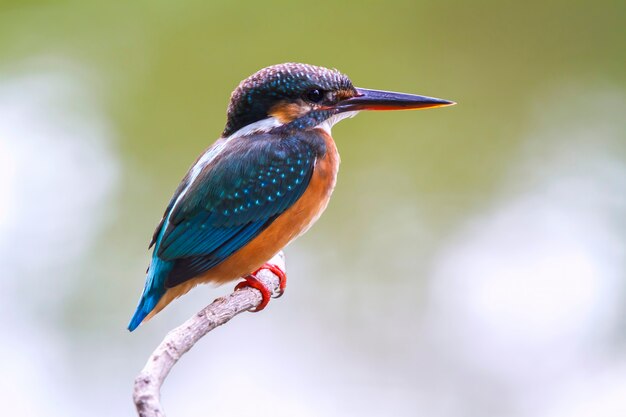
[287,112]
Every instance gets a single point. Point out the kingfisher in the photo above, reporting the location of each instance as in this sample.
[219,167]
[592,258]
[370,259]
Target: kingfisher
[263,183]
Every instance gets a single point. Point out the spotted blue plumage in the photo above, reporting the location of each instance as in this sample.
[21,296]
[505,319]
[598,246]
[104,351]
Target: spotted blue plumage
[231,200]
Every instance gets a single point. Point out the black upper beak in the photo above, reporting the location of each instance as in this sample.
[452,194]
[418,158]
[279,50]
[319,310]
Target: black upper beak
[388,100]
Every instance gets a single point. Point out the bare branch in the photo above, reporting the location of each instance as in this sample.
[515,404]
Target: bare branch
[147,390]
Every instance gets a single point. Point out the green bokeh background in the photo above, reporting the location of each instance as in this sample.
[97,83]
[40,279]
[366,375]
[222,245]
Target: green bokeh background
[160,74]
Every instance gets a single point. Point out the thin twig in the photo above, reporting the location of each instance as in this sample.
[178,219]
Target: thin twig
[147,390]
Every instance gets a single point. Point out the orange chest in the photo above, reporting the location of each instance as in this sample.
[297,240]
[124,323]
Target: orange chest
[310,206]
[326,168]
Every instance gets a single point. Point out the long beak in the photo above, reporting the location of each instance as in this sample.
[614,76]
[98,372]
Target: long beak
[388,100]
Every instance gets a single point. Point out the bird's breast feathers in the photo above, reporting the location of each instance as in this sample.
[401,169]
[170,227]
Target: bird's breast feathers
[323,180]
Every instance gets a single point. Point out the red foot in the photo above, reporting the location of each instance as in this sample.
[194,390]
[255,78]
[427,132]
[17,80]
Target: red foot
[274,269]
[252,281]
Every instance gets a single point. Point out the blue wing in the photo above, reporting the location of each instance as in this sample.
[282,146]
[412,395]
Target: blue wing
[239,193]
[232,200]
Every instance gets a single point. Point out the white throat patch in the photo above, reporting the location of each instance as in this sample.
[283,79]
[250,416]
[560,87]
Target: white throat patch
[328,124]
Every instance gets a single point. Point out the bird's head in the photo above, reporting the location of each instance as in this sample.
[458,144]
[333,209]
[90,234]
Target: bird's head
[300,96]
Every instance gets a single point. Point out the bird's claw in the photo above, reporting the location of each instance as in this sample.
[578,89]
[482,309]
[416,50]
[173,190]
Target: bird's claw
[252,281]
[282,276]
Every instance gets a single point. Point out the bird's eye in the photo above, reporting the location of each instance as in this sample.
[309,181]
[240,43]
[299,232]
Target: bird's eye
[315,95]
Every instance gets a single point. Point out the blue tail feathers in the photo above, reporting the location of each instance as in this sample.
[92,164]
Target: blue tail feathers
[152,291]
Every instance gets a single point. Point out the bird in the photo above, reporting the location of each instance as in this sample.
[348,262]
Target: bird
[263,183]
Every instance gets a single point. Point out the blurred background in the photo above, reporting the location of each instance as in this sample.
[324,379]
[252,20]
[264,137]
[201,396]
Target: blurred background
[471,262]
